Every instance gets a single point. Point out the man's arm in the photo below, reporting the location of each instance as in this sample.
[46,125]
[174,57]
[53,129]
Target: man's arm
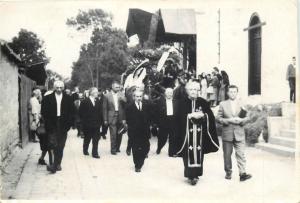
[220,116]
[105,109]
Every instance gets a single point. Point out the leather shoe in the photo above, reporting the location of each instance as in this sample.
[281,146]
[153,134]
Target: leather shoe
[96,156]
[193,181]
[114,153]
[158,151]
[128,152]
[86,153]
[118,150]
[228,176]
[51,168]
[137,170]
[245,176]
[42,162]
[58,168]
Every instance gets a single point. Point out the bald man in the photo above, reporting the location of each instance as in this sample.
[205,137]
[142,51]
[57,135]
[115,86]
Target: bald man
[58,113]
[166,122]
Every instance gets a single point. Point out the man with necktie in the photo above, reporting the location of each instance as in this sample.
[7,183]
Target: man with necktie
[233,133]
[90,112]
[114,115]
[139,115]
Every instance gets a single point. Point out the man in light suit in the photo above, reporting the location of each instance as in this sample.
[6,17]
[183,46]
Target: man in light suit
[114,115]
[233,134]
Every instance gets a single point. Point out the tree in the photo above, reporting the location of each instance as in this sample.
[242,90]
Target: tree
[90,19]
[105,57]
[101,60]
[29,47]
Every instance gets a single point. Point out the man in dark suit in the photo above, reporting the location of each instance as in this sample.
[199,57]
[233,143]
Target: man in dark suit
[233,134]
[114,115]
[58,113]
[90,112]
[138,116]
[166,123]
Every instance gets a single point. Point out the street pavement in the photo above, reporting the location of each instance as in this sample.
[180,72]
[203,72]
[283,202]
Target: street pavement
[113,179]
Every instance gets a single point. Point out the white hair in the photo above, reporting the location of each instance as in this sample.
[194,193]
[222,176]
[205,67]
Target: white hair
[92,89]
[169,90]
[58,83]
[192,84]
[36,92]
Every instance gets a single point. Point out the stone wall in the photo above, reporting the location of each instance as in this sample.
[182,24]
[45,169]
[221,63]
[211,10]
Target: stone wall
[9,106]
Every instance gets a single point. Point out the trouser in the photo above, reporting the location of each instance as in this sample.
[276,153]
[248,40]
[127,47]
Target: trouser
[139,152]
[91,134]
[57,141]
[239,147]
[292,83]
[32,135]
[129,142]
[115,137]
[165,130]
[104,130]
[79,128]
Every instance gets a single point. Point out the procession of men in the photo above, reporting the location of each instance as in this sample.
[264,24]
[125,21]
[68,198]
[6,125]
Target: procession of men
[185,121]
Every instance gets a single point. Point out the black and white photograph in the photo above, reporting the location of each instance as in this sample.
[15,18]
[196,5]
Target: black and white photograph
[149,101]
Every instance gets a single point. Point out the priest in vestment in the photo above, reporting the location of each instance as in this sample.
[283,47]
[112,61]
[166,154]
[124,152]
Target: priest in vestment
[197,128]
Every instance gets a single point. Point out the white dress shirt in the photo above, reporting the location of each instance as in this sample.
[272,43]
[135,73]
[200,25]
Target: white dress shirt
[233,104]
[138,105]
[115,98]
[169,104]
[92,100]
[58,103]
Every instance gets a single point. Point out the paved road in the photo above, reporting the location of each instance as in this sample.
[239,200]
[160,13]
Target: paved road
[113,177]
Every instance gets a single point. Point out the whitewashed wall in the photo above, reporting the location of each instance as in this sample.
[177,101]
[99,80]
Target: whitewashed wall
[9,106]
[279,43]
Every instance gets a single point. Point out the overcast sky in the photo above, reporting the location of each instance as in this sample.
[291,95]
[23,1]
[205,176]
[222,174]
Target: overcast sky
[48,21]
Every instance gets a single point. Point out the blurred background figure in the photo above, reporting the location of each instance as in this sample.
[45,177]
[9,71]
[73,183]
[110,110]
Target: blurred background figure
[203,86]
[75,95]
[224,87]
[34,113]
[68,92]
[77,123]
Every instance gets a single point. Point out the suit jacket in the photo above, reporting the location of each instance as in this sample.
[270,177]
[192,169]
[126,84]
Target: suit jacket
[161,107]
[230,131]
[139,121]
[109,107]
[90,115]
[49,112]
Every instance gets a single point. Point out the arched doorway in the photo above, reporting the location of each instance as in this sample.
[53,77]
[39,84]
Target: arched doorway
[254,70]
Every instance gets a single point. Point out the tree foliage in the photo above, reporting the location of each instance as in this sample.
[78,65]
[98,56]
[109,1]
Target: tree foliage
[29,47]
[104,58]
[90,19]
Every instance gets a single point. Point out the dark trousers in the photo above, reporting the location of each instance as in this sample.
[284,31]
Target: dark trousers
[292,83]
[140,149]
[91,134]
[165,130]
[129,143]
[57,140]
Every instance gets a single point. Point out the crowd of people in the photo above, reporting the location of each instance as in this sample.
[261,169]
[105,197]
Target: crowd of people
[181,115]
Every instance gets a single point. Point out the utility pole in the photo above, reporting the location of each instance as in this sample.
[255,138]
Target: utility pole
[219,36]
